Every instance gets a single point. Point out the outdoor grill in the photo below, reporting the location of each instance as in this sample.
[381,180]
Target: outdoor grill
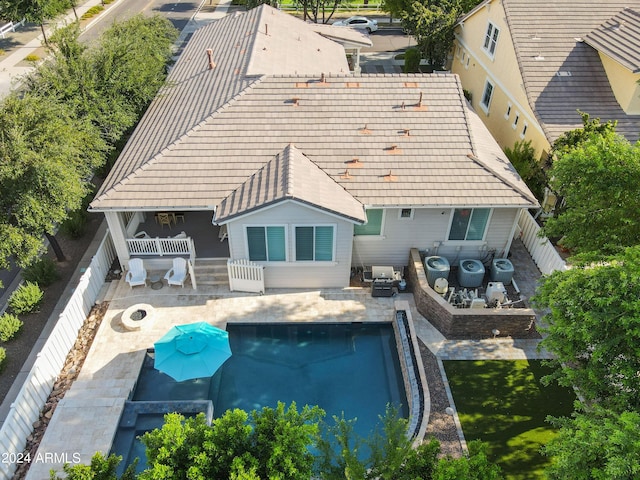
[383,281]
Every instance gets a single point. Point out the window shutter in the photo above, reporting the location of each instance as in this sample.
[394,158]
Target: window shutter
[257,244]
[324,244]
[276,244]
[304,243]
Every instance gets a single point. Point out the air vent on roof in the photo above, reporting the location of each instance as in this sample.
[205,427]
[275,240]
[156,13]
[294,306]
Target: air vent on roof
[353,84]
[390,177]
[295,101]
[346,175]
[393,149]
[535,37]
[212,64]
[354,163]
[266,29]
[563,73]
[419,105]
[411,84]
[365,130]
[538,58]
[406,132]
[302,85]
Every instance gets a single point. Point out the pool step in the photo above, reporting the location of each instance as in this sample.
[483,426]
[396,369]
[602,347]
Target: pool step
[211,272]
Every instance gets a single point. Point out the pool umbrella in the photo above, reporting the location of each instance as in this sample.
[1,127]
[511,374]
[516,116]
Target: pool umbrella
[190,351]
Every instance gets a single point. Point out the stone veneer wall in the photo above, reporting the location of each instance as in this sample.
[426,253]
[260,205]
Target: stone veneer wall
[460,323]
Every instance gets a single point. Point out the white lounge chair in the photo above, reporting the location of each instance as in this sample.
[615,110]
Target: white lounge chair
[178,273]
[137,274]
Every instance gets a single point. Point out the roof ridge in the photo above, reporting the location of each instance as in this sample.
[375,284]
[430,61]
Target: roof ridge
[155,158]
[288,188]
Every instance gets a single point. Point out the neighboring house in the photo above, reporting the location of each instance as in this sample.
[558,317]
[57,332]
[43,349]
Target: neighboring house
[530,66]
[301,166]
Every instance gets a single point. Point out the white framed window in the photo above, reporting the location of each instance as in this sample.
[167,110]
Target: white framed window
[314,243]
[469,223]
[466,65]
[266,243]
[487,95]
[524,130]
[405,213]
[463,56]
[507,114]
[516,119]
[491,40]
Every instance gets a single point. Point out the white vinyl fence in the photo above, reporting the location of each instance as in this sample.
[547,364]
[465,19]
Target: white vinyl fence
[160,246]
[541,250]
[39,382]
[245,276]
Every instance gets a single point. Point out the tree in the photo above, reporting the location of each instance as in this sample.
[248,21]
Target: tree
[474,466]
[270,443]
[594,328]
[523,157]
[36,11]
[599,181]
[595,444]
[47,156]
[101,468]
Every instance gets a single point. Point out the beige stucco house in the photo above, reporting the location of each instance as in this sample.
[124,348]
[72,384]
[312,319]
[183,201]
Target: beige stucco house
[530,66]
[269,149]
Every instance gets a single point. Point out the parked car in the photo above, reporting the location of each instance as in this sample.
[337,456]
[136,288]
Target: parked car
[361,23]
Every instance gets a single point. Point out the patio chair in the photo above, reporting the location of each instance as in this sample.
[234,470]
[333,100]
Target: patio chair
[164,219]
[137,274]
[178,273]
[142,234]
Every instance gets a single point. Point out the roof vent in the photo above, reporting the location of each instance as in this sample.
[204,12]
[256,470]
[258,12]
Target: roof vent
[535,37]
[390,177]
[394,149]
[411,84]
[346,175]
[266,29]
[302,85]
[538,57]
[212,64]
[354,163]
[365,131]
[295,101]
[353,84]
[419,105]
[406,132]
[563,73]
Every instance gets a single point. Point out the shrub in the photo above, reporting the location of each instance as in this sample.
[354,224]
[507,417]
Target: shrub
[26,298]
[2,52]
[92,12]
[3,355]
[32,57]
[75,225]
[43,272]
[522,157]
[9,326]
[412,60]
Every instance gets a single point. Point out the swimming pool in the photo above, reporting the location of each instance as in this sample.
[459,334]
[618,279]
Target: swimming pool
[342,367]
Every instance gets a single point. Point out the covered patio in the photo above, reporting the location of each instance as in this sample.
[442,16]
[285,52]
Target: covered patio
[196,225]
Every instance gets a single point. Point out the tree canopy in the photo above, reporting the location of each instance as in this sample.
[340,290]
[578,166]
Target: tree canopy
[599,180]
[594,328]
[36,11]
[597,444]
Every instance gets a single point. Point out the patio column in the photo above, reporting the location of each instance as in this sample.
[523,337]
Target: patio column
[119,237]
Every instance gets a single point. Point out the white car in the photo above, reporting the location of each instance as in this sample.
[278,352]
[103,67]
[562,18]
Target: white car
[361,23]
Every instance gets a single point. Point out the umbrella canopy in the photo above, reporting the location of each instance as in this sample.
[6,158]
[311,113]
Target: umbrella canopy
[190,351]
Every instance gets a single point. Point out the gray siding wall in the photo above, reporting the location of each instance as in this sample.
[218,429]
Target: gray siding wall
[292,274]
[427,226]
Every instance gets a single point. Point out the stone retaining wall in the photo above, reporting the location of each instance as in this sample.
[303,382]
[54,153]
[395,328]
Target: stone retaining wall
[461,323]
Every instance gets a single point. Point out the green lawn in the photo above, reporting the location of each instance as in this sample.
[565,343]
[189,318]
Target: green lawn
[504,404]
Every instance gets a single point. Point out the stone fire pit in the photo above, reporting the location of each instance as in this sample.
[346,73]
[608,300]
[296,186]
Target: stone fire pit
[137,316]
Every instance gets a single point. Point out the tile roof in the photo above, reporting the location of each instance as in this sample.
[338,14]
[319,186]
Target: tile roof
[619,38]
[561,73]
[290,176]
[417,141]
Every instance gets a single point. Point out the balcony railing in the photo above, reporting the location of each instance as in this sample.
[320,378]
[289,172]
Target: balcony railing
[160,247]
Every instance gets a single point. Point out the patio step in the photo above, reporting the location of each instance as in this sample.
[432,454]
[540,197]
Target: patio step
[211,272]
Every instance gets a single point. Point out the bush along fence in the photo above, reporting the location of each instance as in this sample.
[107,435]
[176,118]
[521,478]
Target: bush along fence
[25,410]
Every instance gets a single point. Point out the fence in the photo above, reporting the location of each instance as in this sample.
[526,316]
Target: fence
[25,410]
[10,27]
[541,250]
[160,247]
[245,276]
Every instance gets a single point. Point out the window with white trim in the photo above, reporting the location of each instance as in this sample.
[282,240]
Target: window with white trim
[469,223]
[405,213]
[491,39]
[507,114]
[266,243]
[516,119]
[524,130]
[314,243]
[486,96]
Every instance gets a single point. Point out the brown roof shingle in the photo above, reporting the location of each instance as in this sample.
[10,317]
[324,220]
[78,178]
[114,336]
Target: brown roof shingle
[619,38]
